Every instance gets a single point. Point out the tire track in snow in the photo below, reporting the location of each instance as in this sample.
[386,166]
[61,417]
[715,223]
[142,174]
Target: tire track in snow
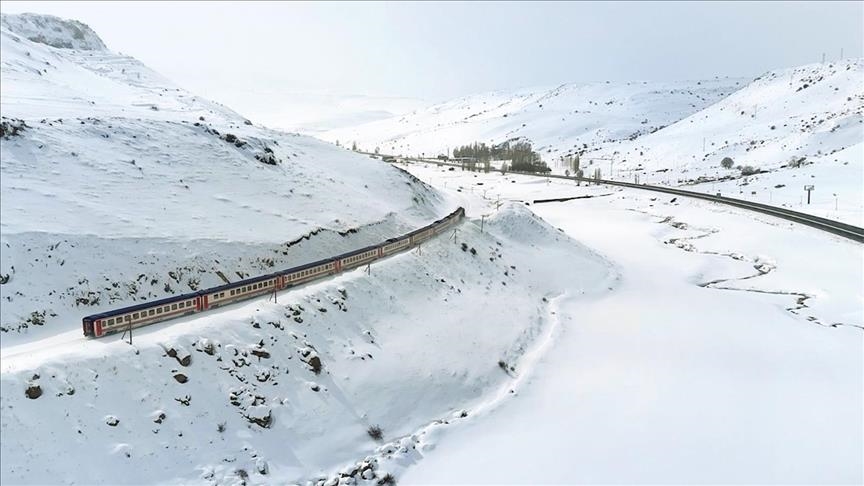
[761,266]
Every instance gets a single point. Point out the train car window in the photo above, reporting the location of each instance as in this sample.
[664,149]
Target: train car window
[173,306]
[135,316]
[159,310]
[109,322]
[151,312]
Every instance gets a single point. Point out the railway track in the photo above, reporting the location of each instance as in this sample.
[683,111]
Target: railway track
[838,228]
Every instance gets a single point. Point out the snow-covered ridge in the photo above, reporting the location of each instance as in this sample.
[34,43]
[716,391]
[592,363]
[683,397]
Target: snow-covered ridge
[53,31]
[558,120]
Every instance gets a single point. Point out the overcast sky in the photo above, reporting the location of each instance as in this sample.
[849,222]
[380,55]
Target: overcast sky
[436,51]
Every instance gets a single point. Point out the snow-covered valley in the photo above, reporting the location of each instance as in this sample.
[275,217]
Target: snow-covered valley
[622,337]
[725,354]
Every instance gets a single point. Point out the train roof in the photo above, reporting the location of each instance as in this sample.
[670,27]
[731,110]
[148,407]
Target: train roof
[144,305]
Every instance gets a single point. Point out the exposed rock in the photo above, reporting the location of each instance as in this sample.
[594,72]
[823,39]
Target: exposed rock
[260,415]
[33,392]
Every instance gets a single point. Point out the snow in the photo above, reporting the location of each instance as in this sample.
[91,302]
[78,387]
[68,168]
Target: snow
[558,120]
[313,112]
[672,378]
[625,337]
[671,133]
[120,202]
[53,31]
[237,395]
[408,349]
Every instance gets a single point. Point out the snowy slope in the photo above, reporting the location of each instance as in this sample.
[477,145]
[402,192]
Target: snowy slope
[672,133]
[123,187]
[809,111]
[557,120]
[53,31]
[311,113]
[414,343]
[118,187]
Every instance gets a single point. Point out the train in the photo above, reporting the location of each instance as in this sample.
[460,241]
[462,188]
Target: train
[147,313]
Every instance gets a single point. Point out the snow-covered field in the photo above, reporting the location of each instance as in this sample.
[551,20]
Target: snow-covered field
[731,351]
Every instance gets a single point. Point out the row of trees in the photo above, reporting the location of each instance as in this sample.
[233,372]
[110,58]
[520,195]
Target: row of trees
[520,154]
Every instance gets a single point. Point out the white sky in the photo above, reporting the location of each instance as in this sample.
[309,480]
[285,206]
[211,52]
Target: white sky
[434,51]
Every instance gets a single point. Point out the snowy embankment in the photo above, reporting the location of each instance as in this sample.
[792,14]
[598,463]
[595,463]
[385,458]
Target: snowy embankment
[296,385]
[732,351]
[118,187]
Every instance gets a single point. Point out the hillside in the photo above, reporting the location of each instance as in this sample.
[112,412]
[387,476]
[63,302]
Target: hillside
[312,113]
[794,127]
[119,187]
[124,187]
[806,112]
[557,120]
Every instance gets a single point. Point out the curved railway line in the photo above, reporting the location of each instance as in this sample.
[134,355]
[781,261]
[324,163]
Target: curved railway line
[147,313]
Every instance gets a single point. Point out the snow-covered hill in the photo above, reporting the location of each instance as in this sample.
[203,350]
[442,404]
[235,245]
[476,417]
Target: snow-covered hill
[558,120]
[312,113]
[53,31]
[123,187]
[809,112]
[119,187]
[798,126]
